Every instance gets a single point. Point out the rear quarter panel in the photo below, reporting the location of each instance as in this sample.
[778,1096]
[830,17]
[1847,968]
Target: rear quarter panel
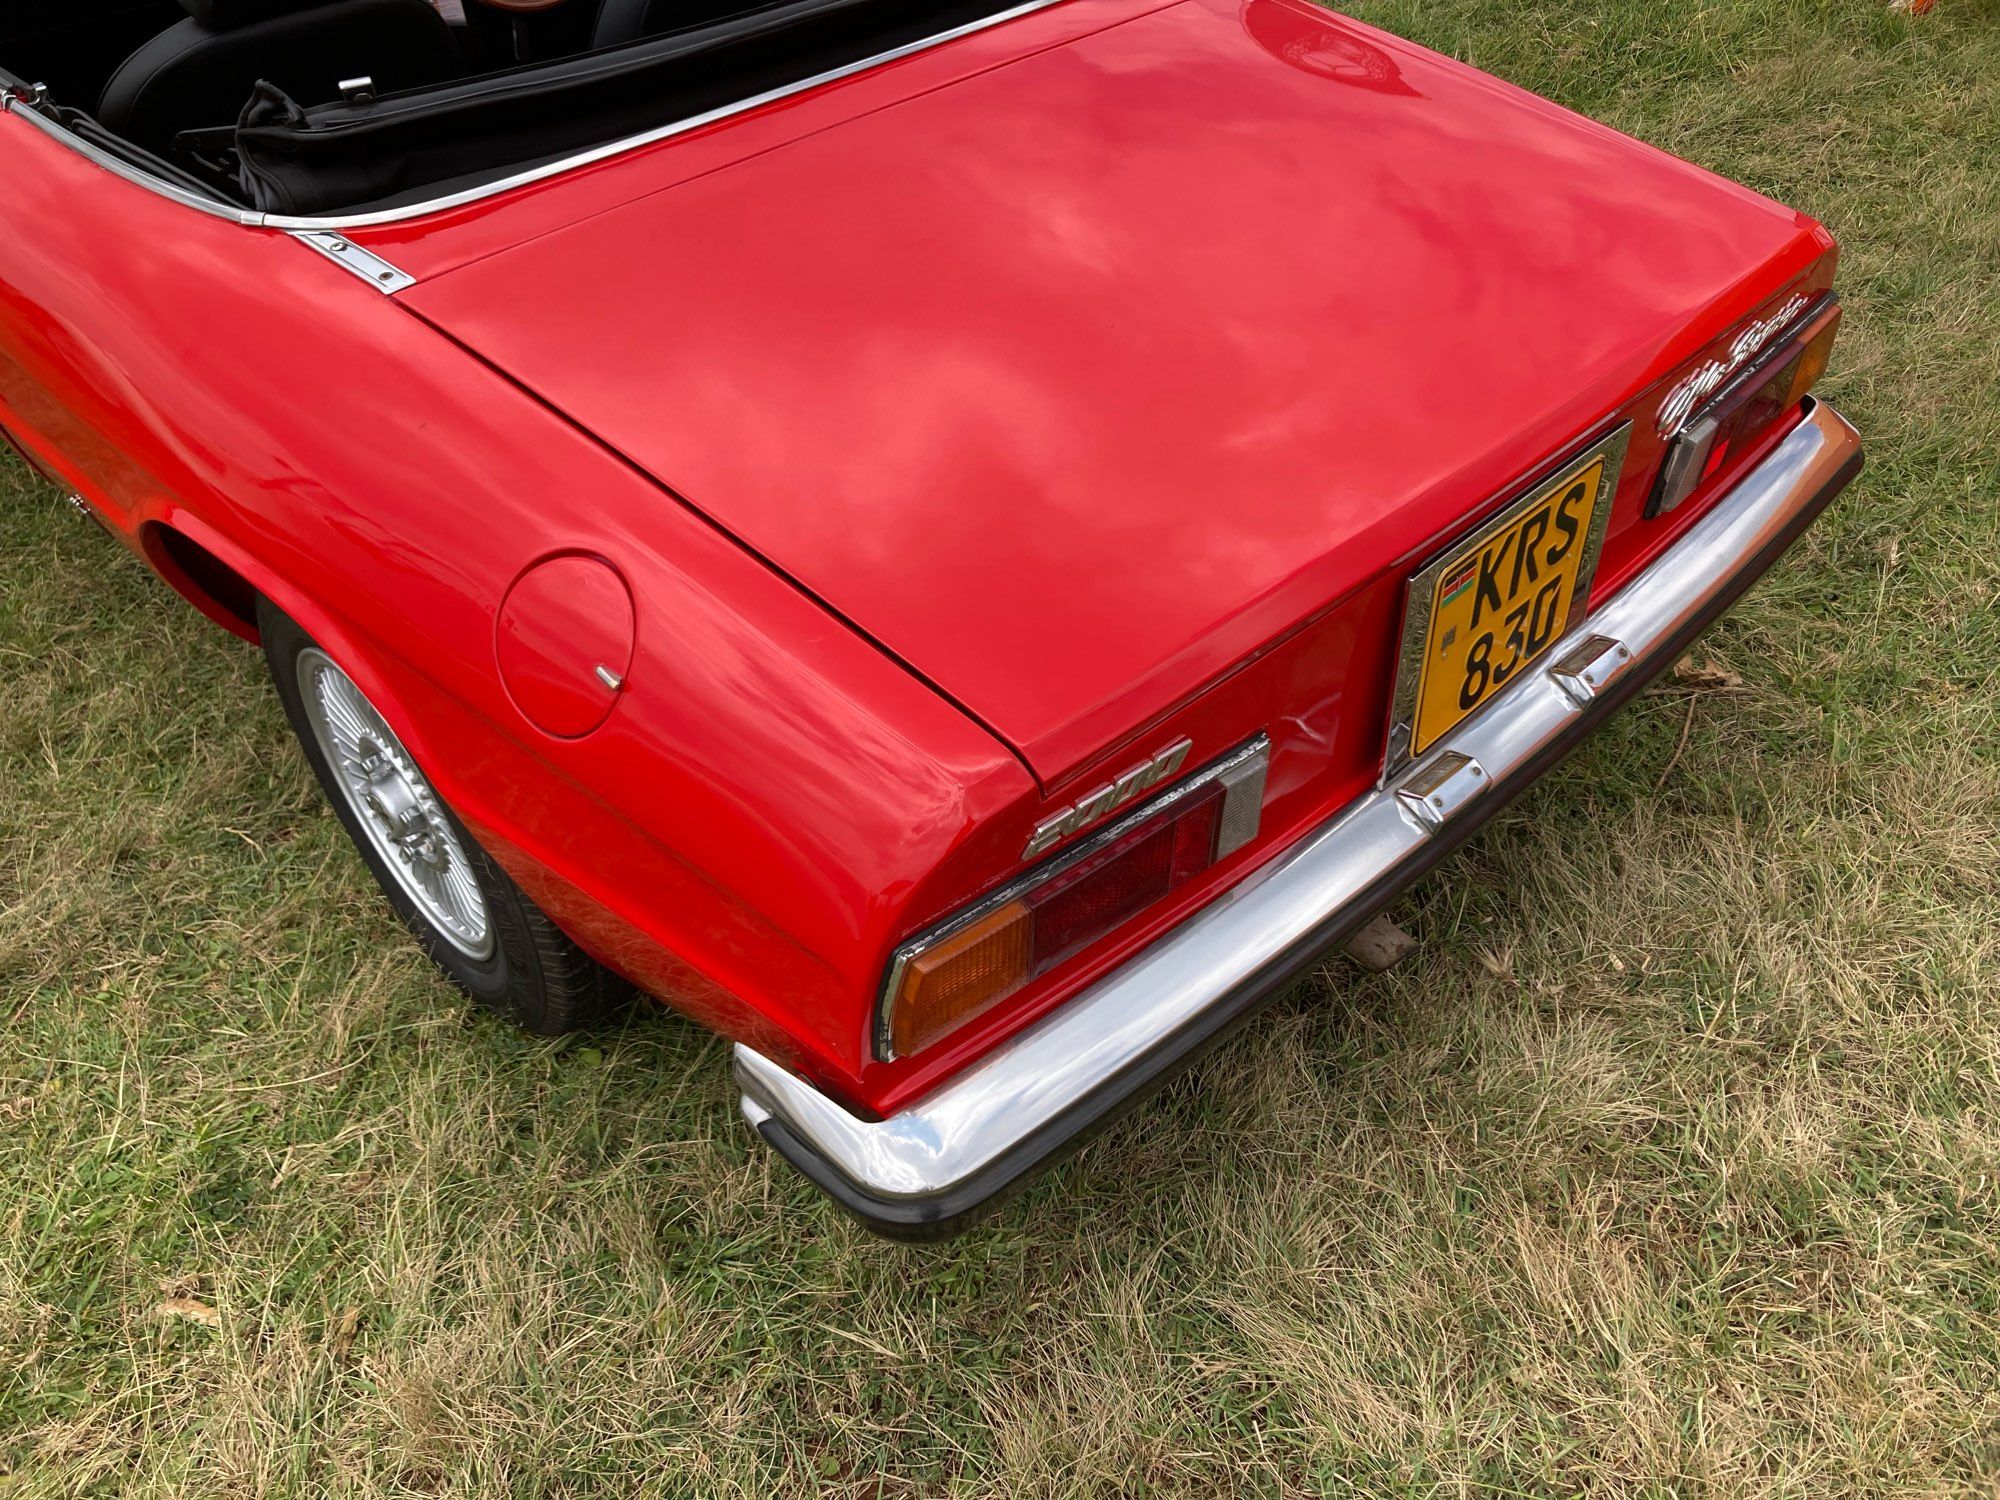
[737,838]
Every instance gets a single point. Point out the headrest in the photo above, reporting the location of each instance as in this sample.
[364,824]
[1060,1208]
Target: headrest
[222,15]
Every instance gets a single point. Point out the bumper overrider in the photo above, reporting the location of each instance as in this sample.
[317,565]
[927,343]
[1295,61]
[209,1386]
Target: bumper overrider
[921,1173]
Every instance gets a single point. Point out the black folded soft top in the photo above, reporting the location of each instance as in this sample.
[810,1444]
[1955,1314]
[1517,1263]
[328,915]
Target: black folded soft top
[400,148]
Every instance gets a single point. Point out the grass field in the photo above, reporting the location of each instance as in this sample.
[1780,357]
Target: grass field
[1670,1166]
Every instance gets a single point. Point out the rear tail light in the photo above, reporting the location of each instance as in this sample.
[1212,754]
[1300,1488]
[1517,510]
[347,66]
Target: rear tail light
[1744,409]
[966,965]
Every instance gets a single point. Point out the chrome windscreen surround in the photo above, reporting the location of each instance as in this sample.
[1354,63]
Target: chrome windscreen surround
[1241,773]
[922,1171]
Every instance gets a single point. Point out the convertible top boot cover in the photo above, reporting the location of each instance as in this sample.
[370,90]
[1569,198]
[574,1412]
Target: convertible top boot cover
[199,73]
[298,158]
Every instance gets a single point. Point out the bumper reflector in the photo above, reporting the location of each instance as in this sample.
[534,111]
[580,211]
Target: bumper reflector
[941,980]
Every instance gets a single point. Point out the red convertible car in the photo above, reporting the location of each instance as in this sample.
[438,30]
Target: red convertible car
[960,547]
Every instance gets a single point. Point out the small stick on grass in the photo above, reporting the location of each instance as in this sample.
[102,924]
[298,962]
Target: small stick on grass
[1675,759]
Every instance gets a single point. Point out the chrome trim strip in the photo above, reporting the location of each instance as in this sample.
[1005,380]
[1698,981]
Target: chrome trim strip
[1256,754]
[119,167]
[366,264]
[542,173]
[999,1115]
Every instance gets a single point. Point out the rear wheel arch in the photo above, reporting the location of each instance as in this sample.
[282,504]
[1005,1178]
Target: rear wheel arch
[249,599]
[199,576]
[225,583]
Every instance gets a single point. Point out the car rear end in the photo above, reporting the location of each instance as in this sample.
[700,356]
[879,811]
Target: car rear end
[1133,942]
[1332,704]
[1286,442]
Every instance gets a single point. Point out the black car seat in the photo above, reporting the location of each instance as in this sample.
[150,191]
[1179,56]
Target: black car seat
[624,21]
[201,71]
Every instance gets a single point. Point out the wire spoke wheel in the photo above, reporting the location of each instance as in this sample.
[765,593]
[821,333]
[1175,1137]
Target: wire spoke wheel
[394,805]
[484,933]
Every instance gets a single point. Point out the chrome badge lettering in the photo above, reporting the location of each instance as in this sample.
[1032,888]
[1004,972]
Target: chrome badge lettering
[1108,798]
[1706,381]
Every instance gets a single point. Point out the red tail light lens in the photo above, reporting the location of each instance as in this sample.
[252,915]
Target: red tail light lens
[1744,410]
[969,964]
[1110,888]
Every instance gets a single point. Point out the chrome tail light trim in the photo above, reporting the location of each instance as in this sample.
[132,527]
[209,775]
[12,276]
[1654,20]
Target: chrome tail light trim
[1241,773]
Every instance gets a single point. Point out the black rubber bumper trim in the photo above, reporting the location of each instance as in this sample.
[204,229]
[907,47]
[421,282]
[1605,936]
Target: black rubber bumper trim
[944,1214]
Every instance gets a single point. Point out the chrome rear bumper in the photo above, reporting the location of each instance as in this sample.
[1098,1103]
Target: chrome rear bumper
[920,1173]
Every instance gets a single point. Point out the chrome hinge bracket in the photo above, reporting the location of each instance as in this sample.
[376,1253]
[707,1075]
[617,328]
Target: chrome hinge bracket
[349,256]
[34,95]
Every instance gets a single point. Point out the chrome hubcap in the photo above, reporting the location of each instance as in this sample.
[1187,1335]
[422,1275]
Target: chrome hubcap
[394,805]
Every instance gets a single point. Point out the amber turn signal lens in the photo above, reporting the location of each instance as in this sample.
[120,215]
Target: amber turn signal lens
[1813,361]
[947,985]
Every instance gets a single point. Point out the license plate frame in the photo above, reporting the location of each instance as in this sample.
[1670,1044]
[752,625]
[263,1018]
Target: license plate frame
[1412,732]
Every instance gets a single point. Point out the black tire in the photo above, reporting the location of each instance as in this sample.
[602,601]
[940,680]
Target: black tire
[529,971]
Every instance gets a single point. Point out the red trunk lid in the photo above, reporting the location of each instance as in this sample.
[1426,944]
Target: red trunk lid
[1076,382]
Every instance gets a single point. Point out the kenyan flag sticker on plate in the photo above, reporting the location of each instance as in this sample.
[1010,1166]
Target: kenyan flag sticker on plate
[1453,589]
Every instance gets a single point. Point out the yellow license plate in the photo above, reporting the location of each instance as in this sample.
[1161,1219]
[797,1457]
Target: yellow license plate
[1490,606]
